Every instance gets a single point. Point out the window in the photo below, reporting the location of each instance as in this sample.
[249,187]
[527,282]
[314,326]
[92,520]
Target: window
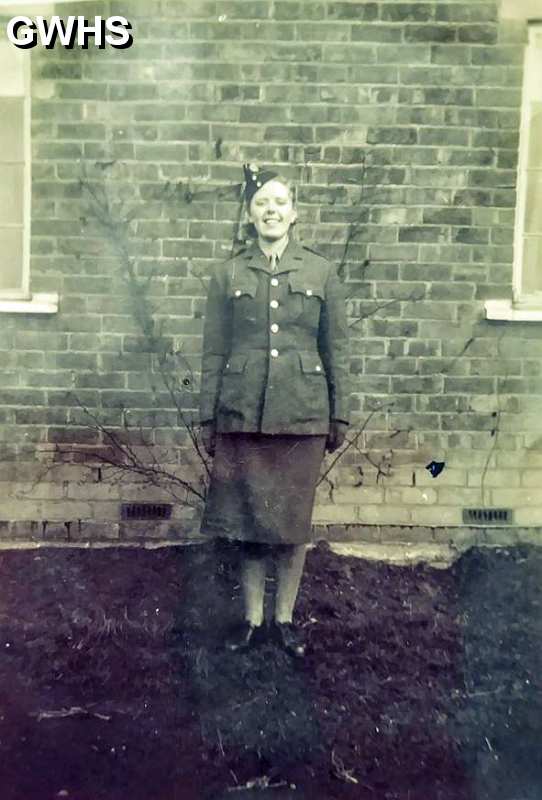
[15,162]
[526,303]
[528,235]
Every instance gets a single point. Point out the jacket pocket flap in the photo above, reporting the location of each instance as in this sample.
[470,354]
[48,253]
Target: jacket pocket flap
[240,284]
[311,363]
[236,363]
[307,285]
[238,290]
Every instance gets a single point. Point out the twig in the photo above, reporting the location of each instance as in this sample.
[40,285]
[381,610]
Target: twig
[73,711]
[456,358]
[411,297]
[258,783]
[115,227]
[496,430]
[220,743]
[488,692]
[350,443]
[354,226]
[339,769]
[154,473]
[250,702]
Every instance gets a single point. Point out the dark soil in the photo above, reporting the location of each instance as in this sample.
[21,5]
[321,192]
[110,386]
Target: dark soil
[420,684]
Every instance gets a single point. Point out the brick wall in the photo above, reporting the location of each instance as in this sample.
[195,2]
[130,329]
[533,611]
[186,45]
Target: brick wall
[400,123]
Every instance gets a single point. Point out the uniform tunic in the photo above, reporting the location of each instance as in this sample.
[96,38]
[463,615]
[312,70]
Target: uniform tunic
[274,373]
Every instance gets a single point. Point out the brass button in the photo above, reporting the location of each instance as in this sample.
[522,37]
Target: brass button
[274,281]
[238,292]
[274,303]
[274,353]
[274,328]
[318,368]
[309,292]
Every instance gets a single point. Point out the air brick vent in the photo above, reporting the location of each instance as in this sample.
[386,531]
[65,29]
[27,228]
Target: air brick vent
[487,516]
[145,511]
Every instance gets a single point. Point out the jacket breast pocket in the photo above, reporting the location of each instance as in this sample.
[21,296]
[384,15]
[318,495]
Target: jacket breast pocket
[242,285]
[306,295]
[241,294]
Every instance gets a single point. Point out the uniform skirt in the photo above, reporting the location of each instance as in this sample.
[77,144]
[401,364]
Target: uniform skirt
[262,487]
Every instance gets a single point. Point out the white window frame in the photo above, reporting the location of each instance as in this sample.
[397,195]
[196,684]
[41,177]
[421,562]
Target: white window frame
[23,301]
[522,307]
[531,93]
[23,293]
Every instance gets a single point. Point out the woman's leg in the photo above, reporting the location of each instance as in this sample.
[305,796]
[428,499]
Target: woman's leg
[253,584]
[290,563]
[253,571]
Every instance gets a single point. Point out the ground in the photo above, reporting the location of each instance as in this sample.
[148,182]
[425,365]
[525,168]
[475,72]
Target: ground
[420,684]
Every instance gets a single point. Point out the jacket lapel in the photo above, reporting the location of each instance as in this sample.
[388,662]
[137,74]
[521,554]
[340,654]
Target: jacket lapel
[255,259]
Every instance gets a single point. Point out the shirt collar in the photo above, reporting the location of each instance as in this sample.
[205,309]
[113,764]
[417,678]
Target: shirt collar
[271,249]
[290,259]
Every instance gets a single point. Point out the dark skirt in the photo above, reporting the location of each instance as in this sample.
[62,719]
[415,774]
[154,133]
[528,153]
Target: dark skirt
[262,487]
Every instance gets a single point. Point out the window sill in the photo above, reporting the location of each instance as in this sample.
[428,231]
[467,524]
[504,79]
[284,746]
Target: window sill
[38,304]
[506,310]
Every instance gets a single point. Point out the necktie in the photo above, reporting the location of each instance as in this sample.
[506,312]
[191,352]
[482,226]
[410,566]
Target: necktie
[273,261]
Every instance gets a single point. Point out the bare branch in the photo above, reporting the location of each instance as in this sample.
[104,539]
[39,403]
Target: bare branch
[350,443]
[411,297]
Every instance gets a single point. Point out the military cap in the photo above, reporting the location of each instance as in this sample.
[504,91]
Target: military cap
[255,177]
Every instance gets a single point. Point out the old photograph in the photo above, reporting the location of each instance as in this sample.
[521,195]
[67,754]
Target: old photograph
[271,399]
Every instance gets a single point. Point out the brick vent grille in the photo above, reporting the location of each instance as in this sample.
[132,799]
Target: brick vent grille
[146,511]
[487,516]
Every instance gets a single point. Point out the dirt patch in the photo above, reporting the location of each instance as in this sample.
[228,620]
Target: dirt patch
[420,684]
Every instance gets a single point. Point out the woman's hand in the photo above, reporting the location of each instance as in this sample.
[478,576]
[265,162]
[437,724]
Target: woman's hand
[336,435]
[208,437]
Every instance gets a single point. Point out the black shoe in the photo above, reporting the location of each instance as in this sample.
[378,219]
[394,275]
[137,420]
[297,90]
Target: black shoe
[243,636]
[287,636]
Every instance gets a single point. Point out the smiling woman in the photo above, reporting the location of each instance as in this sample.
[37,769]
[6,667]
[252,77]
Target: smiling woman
[274,396]
[271,208]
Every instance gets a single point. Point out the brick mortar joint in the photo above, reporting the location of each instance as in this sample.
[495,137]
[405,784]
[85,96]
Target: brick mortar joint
[416,528]
[317,528]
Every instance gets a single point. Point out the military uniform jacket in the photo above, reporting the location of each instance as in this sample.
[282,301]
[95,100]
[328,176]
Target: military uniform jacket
[275,345]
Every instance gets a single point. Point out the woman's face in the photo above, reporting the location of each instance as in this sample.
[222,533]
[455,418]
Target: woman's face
[272,210]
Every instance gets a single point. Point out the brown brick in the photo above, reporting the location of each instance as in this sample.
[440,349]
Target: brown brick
[430,33]
[406,533]
[478,34]
[384,514]
[416,385]
[376,33]
[392,136]
[436,515]
[445,54]
[403,54]
[92,531]
[357,12]
[287,10]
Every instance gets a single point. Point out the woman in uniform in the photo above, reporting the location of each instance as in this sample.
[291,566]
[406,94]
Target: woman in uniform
[274,397]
